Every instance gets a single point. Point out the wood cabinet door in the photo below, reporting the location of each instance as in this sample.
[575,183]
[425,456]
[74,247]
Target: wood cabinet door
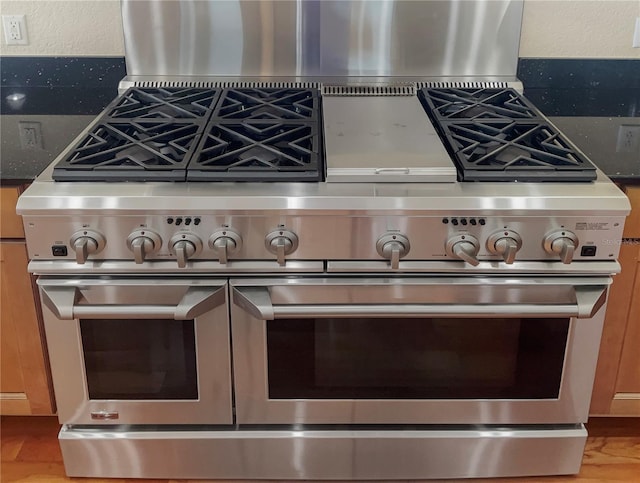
[24,387]
[632,224]
[626,400]
[615,326]
[10,222]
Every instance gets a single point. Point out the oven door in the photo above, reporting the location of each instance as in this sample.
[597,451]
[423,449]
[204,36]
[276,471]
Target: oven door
[138,351]
[416,351]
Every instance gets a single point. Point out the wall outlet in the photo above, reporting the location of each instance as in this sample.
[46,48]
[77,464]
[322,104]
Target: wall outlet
[15,29]
[30,135]
[636,34]
[628,138]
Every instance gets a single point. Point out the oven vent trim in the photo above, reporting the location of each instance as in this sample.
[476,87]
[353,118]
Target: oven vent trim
[463,85]
[406,90]
[227,84]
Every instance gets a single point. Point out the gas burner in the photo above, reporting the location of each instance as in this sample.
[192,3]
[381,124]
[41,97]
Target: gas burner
[258,151]
[136,151]
[497,135]
[485,104]
[514,151]
[268,104]
[164,103]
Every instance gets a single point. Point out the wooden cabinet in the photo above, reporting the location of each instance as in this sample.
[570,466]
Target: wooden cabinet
[25,383]
[617,386]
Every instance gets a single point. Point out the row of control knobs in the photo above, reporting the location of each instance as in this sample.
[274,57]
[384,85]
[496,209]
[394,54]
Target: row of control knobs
[394,246]
[281,242]
[183,246]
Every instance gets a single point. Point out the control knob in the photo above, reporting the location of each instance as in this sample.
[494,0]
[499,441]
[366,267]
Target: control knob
[85,243]
[464,247]
[281,242]
[224,242]
[184,246]
[393,247]
[562,243]
[505,243]
[143,242]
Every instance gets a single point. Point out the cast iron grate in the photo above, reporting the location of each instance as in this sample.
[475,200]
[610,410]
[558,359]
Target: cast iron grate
[164,103]
[484,104]
[522,151]
[258,151]
[262,134]
[498,135]
[268,104]
[131,151]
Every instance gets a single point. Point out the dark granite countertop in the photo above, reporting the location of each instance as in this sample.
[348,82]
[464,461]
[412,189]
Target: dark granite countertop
[602,123]
[39,122]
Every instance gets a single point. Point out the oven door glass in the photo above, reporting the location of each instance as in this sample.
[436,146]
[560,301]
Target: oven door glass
[140,359]
[449,350]
[417,358]
[139,350]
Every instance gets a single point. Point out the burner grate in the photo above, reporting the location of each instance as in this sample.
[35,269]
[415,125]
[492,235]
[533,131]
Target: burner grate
[485,104]
[497,135]
[182,133]
[139,151]
[268,104]
[164,103]
[253,150]
[519,150]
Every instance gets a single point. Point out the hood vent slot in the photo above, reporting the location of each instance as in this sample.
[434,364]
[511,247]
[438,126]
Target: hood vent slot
[228,84]
[462,85]
[351,91]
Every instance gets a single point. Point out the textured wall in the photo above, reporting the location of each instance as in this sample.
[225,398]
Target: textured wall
[68,27]
[579,28]
[551,28]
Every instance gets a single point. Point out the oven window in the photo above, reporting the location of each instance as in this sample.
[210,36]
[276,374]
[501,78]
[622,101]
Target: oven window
[140,359]
[425,358]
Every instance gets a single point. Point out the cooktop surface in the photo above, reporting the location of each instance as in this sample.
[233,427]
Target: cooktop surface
[279,134]
[179,134]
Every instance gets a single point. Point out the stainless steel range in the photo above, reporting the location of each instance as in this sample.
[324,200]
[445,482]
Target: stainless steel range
[322,240]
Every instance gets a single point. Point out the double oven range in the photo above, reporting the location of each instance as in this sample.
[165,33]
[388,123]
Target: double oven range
[329,278]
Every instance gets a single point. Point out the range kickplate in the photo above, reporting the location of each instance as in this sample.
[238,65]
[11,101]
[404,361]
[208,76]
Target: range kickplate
[131,151]
[164,103]
[258,151]
[498,135]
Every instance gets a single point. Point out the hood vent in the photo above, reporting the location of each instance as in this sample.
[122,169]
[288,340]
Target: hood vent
[355,91]
[228,84]
[462,85]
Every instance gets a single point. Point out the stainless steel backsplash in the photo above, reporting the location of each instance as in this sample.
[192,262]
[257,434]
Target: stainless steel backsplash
[306,38]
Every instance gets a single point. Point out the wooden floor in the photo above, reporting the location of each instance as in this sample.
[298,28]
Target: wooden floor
[30,453]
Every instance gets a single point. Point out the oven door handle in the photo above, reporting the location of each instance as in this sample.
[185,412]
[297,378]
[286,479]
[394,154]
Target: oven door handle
[257,302]
[62,301]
